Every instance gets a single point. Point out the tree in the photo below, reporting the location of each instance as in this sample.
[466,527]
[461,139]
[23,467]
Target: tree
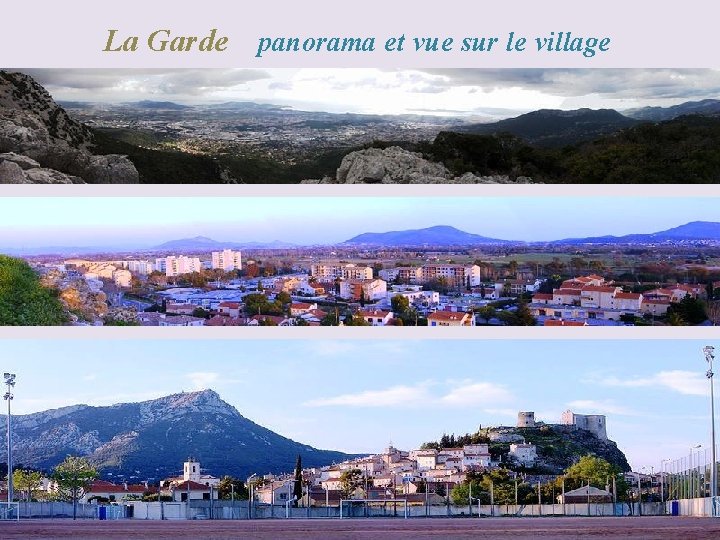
[297,483]
[595,470]
[330,319]
[72,476]
[400,304]
[283,297]
[229,486]
[26,481]
[350,480]
[523,316]
[487,313]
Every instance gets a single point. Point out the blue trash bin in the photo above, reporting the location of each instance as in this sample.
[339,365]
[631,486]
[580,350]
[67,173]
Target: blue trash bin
[102,514]
[675,508]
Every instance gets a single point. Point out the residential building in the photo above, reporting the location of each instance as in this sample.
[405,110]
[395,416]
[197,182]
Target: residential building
[457,275]
[450,318]
[179,265]
[342,271]
[370,290]
[376,317]
[523,453]
[227,260]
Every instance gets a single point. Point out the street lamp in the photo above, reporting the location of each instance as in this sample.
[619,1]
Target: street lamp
[249,485]
[10,383]
[709,352]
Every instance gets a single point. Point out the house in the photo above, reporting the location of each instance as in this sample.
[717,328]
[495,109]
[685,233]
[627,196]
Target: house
[179,309]
[275,491]
[301,308]
[104,490]
[231,309]
[269,320]
[523,453]
[359,289]
[225,320]
[376,317]
[192,485]
[181,320]
[449,318]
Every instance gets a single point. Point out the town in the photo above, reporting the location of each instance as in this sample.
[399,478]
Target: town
[493,470]
[338,286]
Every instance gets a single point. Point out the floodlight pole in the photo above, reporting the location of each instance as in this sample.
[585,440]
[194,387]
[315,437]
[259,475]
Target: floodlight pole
[10,383]
[709,352]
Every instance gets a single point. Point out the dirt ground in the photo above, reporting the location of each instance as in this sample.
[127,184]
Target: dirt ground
[516,528]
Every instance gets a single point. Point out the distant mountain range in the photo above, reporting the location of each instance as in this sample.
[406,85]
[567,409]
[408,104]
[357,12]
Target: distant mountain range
[694,231]
[706,107]
[549,127]
[200,243]
[152,439]
[440,235]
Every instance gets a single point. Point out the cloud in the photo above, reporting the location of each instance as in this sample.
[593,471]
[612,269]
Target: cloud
[473,394]
[616,83]
[690,383]
[600,407]
[428,393]
[190,82]
[202,380]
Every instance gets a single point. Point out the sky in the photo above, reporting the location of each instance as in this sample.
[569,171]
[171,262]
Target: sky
[358,396]
[492,93]
[127,222]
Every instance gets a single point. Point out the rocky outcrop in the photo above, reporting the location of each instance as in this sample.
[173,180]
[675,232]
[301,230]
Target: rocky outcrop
[39,137]
[395,165]
[19,169]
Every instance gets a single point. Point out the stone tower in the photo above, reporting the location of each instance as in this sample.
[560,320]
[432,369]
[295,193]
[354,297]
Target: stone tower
[526,419]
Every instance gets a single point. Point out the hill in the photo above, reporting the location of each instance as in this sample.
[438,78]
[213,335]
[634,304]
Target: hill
[552,128]
[708,107]
[694,231]
[151,439]
[558,446]
[440,235]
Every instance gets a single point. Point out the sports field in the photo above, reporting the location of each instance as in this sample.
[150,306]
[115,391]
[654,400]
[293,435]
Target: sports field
[516,528]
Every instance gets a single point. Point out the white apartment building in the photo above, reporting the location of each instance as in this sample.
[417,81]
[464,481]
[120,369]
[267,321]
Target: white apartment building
[523,453]
[178,265]
[141,268]
[227,260]
[122,278]
[343,271]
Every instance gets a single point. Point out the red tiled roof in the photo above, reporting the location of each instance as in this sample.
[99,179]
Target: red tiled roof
[448,315]
[628,295]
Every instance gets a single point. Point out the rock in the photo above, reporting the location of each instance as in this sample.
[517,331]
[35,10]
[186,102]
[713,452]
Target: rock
[395,165]
[36,132]
[11,173]
[23,161]
[389,166]
[49,176]
[111,169]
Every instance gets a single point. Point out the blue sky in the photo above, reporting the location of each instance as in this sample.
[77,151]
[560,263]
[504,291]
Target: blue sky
[130,221]
[357,396]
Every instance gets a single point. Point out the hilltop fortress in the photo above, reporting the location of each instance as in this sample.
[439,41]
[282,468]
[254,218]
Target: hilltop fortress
[594,423]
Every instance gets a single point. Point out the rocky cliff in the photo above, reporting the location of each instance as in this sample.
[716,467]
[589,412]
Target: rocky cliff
[395,165]
[151,439]
[40,143]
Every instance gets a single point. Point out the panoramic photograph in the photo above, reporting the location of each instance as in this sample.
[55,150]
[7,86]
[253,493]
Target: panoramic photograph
[359,126]
[208,432]
[360,261]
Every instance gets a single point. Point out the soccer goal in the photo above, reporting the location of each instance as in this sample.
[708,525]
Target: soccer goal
[9,511]
[355,508]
